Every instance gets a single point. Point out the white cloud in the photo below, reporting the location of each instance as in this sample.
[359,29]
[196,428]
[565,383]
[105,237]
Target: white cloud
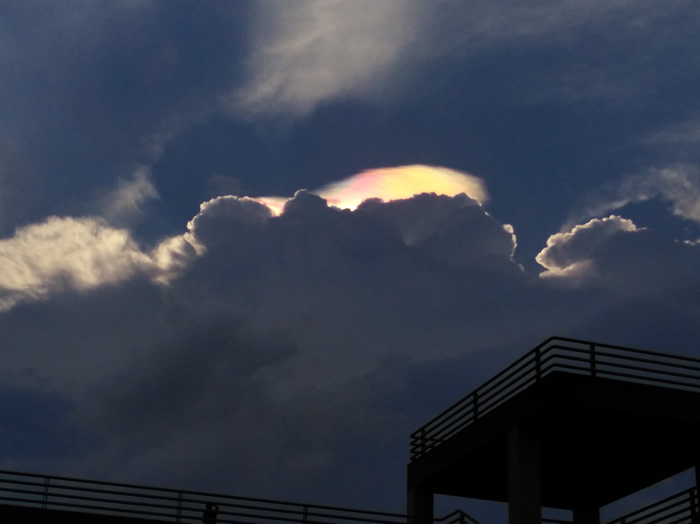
[80,254]
[308,52]
[678,186]
[569,256]
[311,51]
[65,252]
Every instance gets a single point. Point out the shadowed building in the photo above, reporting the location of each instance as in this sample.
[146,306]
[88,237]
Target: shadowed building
[573,425]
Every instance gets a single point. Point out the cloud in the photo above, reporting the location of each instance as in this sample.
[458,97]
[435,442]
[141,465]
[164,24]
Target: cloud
[86,253]
[570,254]
[321,272]
[394,183]
[677,186]
[267,343]
[456,230]
[79,254]
[613,254]
[287,347]
[124,205]
[686,133]
[309,52]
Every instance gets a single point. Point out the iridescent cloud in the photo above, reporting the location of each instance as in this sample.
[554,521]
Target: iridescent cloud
[394,183]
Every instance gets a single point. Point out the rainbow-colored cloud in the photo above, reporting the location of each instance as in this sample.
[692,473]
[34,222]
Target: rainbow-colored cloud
[393,183]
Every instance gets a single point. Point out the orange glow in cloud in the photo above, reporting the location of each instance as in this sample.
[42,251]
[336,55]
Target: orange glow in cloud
[393,183]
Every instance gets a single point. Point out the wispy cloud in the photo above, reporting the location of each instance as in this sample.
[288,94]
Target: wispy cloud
[678,186]
[686,133]
[308,52]
[125,203]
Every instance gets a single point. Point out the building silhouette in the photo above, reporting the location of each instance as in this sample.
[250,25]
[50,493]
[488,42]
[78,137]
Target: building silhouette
[572,424]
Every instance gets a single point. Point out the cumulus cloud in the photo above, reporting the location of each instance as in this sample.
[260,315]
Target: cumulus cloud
[613,254]
[275,322]
[457,230]
[570,254]
[677,186]
[286,346]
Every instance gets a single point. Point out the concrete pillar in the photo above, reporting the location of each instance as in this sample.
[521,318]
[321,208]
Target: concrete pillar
[695,501]
[524,477]
[588,515]
[419,506]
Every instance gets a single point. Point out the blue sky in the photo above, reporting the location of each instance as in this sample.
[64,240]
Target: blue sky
[178,333]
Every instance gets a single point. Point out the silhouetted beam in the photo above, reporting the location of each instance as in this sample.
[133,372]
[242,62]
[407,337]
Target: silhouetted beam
[25,515]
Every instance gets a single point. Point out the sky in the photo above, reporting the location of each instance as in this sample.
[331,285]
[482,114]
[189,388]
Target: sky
[249,246]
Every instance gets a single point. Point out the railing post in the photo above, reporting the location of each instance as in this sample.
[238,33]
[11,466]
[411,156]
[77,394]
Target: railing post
[423,445]
[305,514]
[593,360]
[476,403]
[179,506]
[45,497]
[538,364]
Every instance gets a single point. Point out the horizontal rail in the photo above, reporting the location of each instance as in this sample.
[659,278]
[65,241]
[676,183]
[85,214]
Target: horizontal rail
[456,517]
[171,505]
[558,354]
[679,508]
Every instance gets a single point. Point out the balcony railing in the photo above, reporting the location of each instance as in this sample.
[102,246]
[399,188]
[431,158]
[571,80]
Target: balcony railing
[170,505]
[681,508]
[561,355]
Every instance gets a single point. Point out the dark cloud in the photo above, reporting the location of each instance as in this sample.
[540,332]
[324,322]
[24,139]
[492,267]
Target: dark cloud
[294,353]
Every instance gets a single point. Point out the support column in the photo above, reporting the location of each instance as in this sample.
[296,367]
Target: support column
[586,516]
[419,505]
[524,477]
[695,500]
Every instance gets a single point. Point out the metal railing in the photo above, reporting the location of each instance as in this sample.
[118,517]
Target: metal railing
[681,508]
[171,505]
[456,517]
[559,354]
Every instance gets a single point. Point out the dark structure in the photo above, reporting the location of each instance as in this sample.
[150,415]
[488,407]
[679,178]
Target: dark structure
[27,498]
[572,424]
